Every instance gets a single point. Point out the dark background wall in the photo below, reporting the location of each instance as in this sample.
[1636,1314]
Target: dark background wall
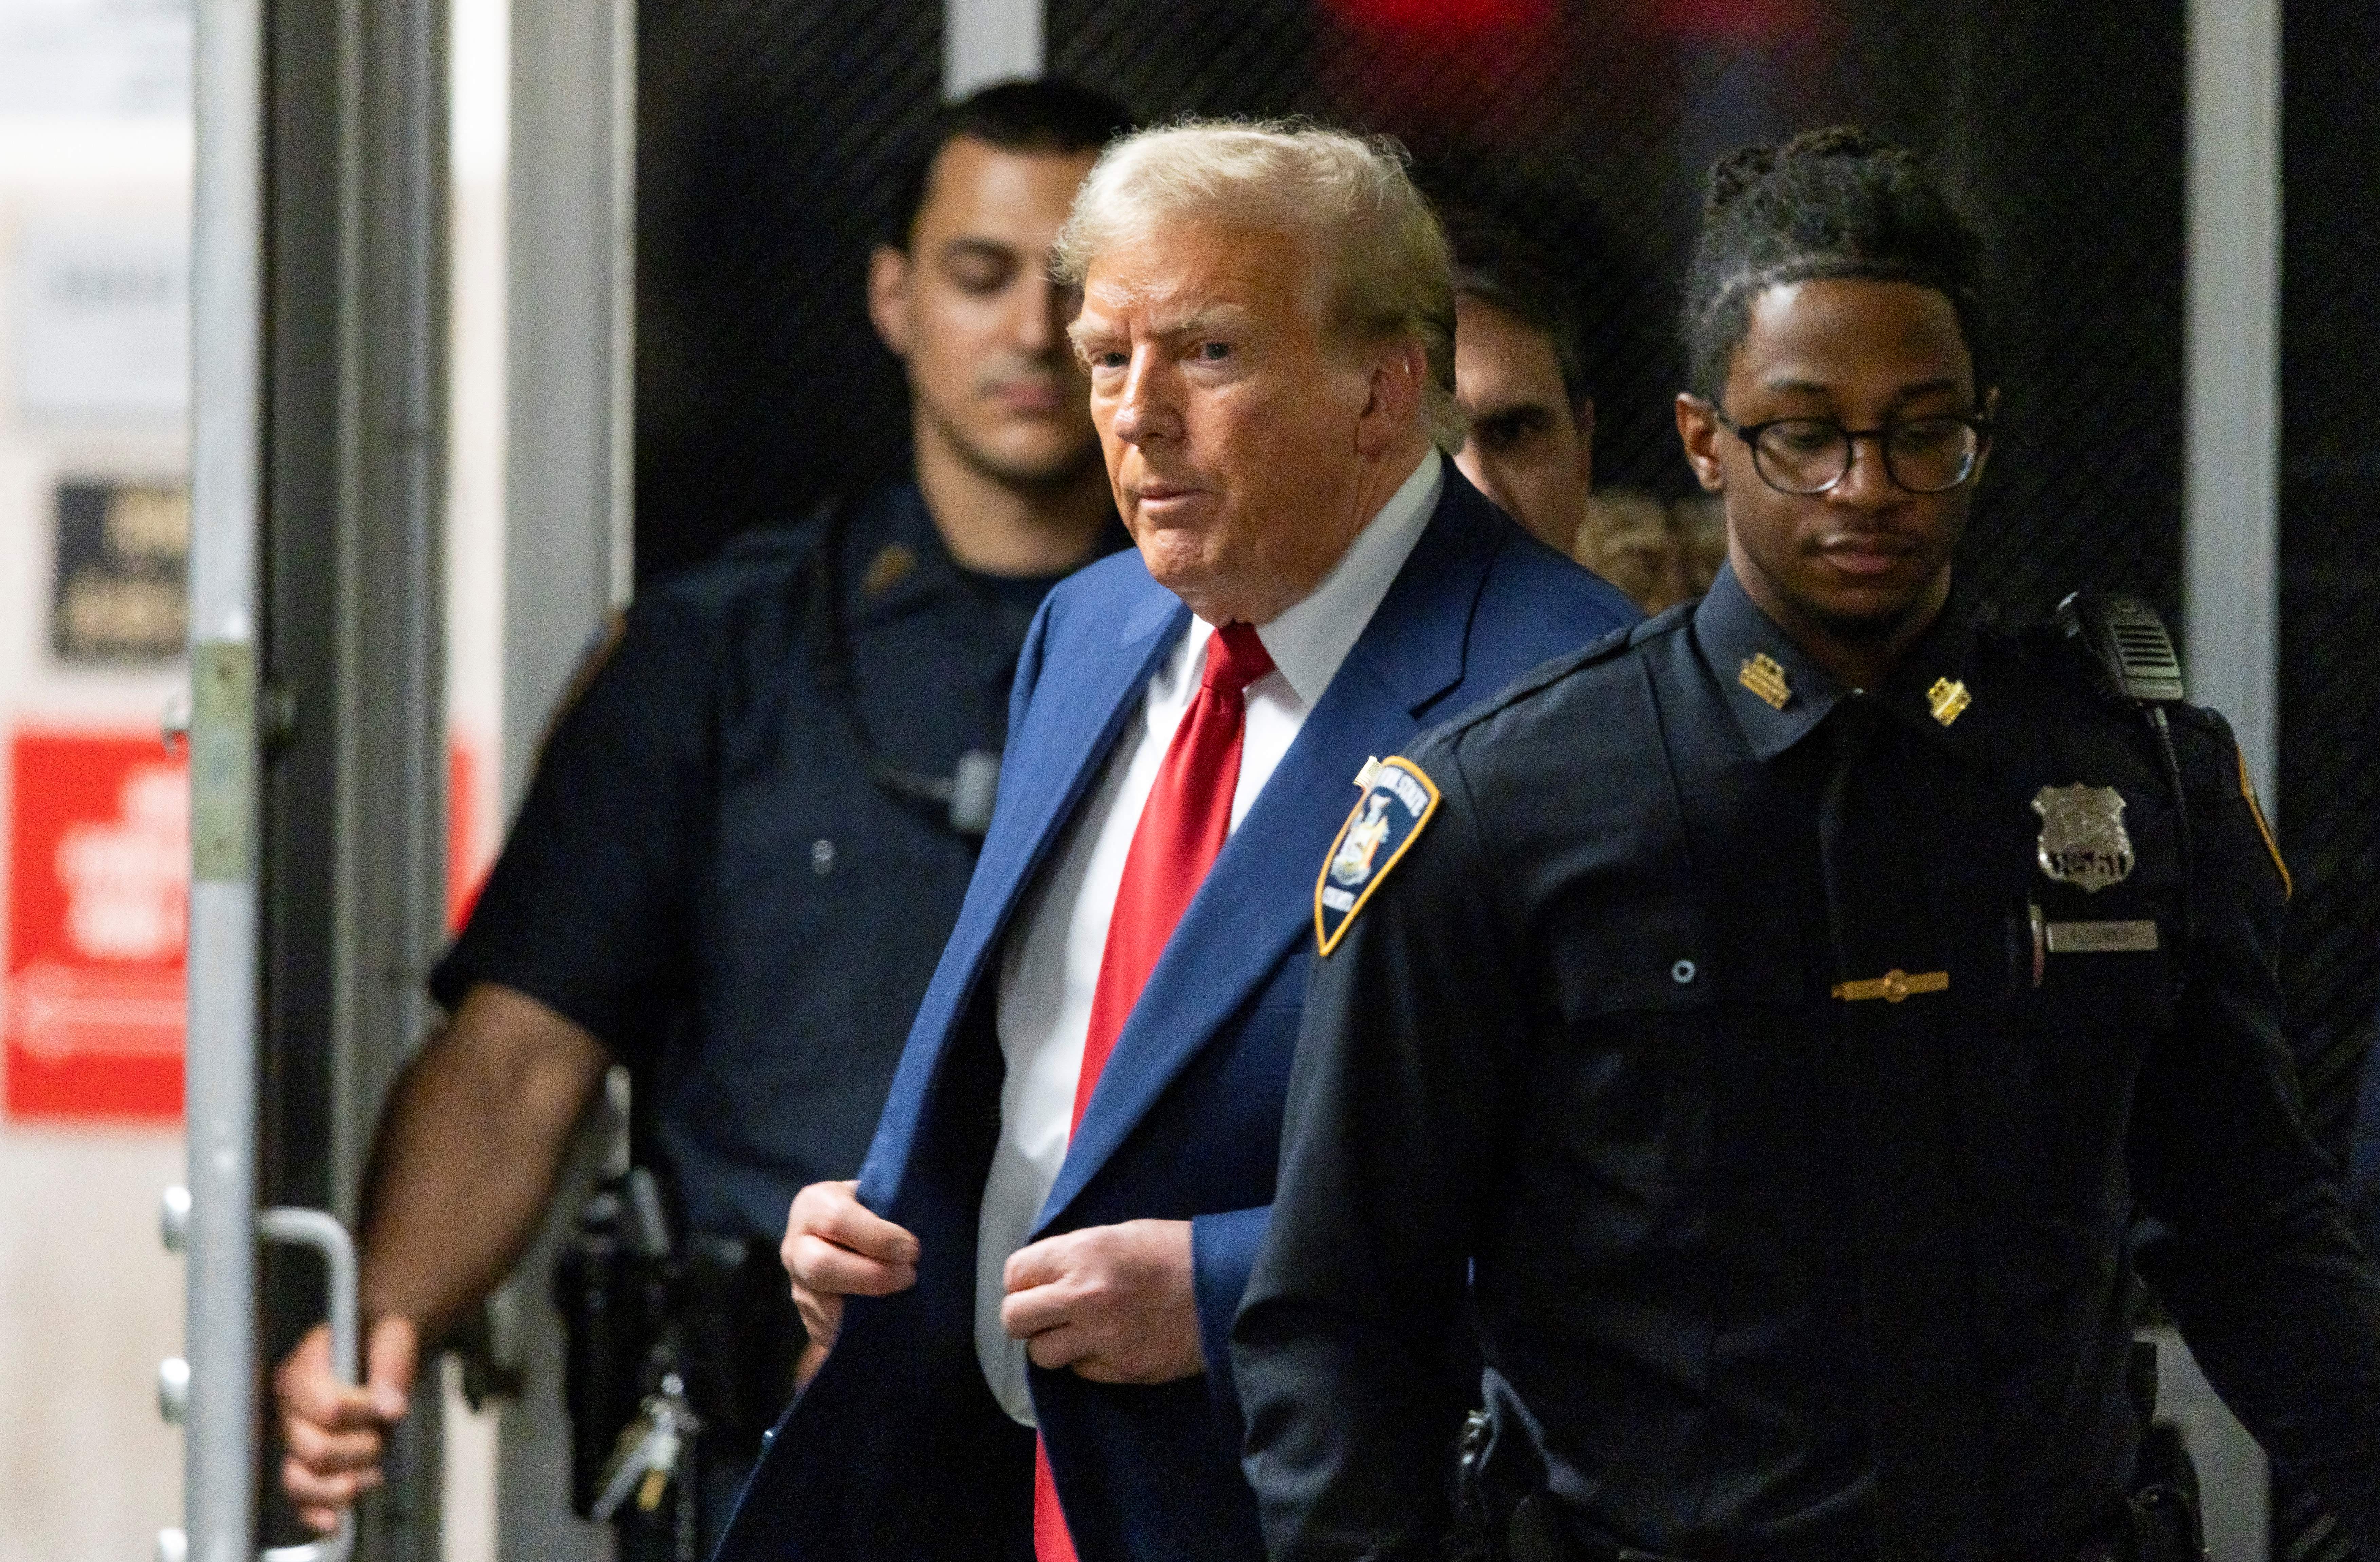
[769,136]
[2329,777]
[2330,772]
[769,127]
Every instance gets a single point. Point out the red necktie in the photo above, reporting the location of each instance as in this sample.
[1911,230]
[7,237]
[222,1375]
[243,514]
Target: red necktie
[1180,831]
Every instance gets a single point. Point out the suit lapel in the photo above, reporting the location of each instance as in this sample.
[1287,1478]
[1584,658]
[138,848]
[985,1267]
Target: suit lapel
[1088,688]
[1256,900]
[1072,727]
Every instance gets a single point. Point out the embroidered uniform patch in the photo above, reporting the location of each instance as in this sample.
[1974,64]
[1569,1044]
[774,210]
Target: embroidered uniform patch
[1398,800]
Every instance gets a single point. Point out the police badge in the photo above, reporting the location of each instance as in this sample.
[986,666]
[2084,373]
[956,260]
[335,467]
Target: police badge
[1398,800]
[2082,837]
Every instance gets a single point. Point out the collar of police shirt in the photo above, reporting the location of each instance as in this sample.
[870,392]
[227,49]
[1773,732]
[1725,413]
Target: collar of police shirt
[1051,964]
[1731,630]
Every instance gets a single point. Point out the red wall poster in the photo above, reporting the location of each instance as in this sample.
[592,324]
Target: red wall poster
[99,879]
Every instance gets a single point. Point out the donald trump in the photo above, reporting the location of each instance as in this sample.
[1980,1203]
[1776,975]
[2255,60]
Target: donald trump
[1027,1292]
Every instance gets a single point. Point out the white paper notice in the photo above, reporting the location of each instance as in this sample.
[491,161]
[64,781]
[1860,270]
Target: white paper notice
[103,326]
[110,58]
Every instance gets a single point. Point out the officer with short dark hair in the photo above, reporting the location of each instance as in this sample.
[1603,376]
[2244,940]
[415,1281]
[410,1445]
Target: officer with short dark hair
[1778,1018]
[743,848]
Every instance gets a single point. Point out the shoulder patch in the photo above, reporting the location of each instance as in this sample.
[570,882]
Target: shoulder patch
[1398,800]
[2256,809]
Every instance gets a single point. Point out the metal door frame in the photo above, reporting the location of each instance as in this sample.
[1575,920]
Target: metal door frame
[318,712]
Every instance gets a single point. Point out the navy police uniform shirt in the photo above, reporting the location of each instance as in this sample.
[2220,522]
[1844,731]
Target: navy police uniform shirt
[1716,1023]
[705,876]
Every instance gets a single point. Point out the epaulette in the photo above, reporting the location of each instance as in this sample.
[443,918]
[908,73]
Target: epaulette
[1609,646]
[1400,798]
[1606,647]
[780,538]
[2042,647]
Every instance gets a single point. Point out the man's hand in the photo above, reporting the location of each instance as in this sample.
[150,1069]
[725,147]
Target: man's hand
[461,1169]
[332,1432]
[836,1247]
[1113,1302]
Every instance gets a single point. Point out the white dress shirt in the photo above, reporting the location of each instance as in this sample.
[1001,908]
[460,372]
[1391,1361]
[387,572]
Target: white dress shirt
[1051,967]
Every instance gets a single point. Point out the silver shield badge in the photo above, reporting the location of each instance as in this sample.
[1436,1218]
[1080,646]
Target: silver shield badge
[2082,838]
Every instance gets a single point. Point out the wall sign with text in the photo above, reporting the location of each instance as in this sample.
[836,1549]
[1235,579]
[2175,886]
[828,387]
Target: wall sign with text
[124,554]
[99,878]
[92,1006]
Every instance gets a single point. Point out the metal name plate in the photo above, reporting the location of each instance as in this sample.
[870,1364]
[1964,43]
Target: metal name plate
[2103,938]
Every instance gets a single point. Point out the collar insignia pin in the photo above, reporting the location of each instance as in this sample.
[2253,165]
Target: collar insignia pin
[894,562]
[2082,837]
[1947,699]
[1761,674]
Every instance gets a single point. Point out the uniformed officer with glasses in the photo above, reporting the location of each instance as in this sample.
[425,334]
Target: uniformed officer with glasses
[1777,1022]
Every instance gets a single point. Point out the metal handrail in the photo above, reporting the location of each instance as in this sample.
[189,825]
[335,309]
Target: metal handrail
[323,1232]
[299,1227]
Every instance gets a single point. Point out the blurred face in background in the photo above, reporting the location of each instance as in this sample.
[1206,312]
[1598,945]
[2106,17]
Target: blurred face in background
[970,309]
[1529,449]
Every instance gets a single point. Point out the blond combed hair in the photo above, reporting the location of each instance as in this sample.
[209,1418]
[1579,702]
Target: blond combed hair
[1386,270]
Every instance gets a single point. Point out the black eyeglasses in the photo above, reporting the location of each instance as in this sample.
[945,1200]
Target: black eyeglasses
[1806,456]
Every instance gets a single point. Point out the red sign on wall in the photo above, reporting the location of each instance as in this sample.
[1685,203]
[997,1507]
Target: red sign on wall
[99,879]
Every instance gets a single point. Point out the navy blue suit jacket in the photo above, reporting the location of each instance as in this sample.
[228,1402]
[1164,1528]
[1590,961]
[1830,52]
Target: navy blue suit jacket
[897,1449]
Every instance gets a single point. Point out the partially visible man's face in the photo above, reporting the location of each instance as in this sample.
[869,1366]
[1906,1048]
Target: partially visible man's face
[1866,557]
[1240,440]
[970,308]
[1528,449]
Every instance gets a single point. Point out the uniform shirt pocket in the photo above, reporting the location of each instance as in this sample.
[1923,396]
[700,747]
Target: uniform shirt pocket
[1643,1001]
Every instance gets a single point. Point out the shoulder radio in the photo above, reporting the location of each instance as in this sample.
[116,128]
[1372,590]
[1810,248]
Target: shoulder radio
[2132,661]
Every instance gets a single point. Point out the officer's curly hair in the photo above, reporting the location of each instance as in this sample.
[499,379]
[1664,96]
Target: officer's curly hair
[1838,202]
